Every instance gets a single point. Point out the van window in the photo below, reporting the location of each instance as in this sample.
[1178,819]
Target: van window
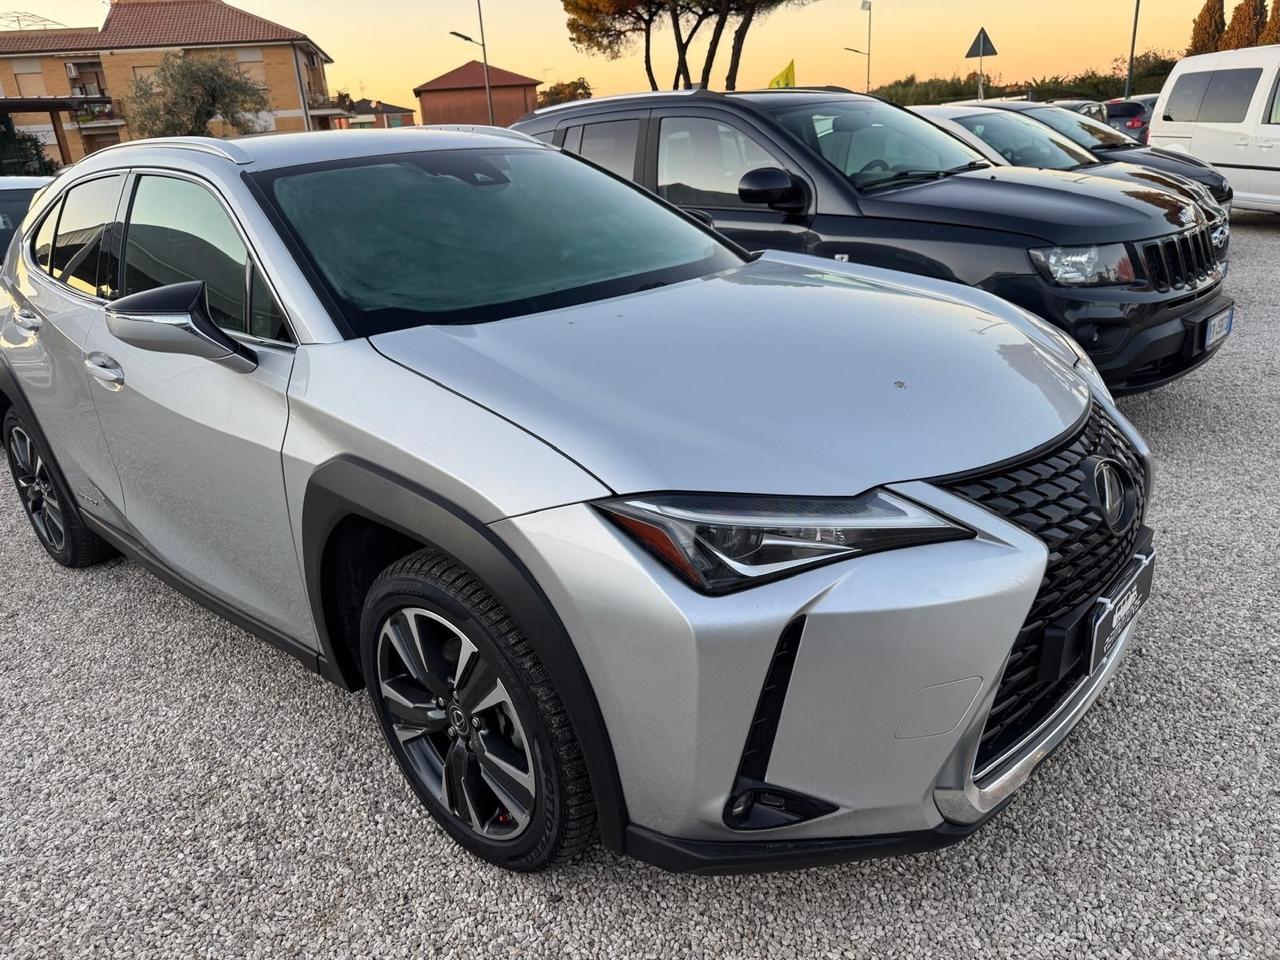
[1227,98]
[1183,104]
[1273,112]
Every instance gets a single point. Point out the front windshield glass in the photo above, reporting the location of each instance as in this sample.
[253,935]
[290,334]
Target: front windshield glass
[1089,133]
[869,141]
[1023,142]
[464,236]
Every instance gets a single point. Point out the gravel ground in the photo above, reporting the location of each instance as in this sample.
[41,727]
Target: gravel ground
[171,786]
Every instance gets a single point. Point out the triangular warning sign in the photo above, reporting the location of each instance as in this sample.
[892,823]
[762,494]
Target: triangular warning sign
[982,46]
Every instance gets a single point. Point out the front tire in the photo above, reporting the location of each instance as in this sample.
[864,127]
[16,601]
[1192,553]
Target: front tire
[471,716]
[46,499]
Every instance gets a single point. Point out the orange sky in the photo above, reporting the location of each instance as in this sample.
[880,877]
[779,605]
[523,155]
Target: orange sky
[383,48]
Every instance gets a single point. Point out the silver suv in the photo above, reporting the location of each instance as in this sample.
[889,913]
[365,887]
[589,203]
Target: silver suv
[739,561]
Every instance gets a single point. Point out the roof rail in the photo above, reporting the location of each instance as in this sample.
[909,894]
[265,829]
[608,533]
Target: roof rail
[210,145]
[492,131]
[694,92]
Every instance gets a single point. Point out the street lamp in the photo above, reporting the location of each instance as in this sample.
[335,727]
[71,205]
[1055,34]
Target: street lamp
[863,53]
[866,5]
[484,53]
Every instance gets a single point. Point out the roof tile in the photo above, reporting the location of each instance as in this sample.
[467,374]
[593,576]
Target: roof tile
[471,74]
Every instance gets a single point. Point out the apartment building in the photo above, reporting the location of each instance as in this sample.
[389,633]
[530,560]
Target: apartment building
[68,86]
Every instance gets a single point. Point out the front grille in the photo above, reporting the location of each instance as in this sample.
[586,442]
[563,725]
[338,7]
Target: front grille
[1181,261]
[1048,496]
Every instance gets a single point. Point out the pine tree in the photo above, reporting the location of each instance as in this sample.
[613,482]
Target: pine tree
[1247,21]
[1271,32]
[1206,29]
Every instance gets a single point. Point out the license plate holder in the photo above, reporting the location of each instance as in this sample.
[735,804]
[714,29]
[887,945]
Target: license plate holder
[1120,607]
[1217,327]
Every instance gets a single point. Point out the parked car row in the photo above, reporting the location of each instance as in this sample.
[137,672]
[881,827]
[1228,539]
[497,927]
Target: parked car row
[620,457]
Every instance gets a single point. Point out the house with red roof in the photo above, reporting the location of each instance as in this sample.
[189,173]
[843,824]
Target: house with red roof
[68,86]
[459,96]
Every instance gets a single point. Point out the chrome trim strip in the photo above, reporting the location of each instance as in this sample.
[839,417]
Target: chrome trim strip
[974,801]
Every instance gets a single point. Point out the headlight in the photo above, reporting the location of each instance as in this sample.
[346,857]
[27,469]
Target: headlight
[1085,266]
[719,543]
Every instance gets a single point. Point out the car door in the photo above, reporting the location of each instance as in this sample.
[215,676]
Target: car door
[197,445]
[1265,152]
[60,282]
[696,159]
[1223,134]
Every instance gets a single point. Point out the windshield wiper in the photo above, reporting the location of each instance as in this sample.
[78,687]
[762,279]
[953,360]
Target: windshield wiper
[1114,146]
[903,176]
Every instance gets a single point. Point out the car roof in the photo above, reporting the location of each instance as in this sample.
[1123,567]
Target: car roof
[1010,104]
[1073,102]
[948,111]
[748,98]
[276,150]
[23,183]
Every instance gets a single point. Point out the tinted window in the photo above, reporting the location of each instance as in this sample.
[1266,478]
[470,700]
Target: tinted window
[1087,132]
[700,161]
[13,207]
[43,246]
[1273,113]
[1227,98]
[178,231]
[1125,109]
[612,145]
[1025,143]
[868,141]
[1184,101]
[86,211]
[266,319]
[463,236]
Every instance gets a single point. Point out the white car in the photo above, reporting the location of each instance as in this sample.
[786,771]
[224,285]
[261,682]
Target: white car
[1223,108]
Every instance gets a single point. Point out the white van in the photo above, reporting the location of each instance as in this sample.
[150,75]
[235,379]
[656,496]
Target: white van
[1222,108]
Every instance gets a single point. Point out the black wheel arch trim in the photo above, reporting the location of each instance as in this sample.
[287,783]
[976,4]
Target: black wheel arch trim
[347,485]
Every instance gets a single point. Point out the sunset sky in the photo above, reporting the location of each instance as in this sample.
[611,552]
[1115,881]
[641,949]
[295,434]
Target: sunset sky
[383,48]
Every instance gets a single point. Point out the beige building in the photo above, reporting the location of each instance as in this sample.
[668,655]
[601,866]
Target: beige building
[83,75]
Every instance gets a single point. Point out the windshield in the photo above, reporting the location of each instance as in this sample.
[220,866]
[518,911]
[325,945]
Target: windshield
[464,236]
[868,141]
[13,207]
[1087,132]
[1025,143]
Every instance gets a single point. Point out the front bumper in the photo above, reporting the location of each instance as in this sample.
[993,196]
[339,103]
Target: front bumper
[899,662]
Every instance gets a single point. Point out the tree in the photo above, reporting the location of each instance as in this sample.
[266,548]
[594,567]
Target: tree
[612,27]
[1207,28]
[1247,21]
[185,94]
[1271,32]
[565,91]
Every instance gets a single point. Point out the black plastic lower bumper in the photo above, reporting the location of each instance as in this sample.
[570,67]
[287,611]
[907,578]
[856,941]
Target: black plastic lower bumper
[1162,353]
[758,856]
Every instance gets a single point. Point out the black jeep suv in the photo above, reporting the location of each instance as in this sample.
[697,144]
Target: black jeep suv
[1128,272]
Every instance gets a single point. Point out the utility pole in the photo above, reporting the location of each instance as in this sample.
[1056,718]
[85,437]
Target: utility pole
[866,5]
[1133,43]
[484,53]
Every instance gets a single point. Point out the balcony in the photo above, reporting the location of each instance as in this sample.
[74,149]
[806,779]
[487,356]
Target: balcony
[97,114]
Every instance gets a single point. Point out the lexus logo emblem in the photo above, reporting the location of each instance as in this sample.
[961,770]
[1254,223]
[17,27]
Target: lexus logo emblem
[1114,493]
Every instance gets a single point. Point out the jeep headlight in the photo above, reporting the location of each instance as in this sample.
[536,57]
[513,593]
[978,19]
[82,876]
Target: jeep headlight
[1090,266]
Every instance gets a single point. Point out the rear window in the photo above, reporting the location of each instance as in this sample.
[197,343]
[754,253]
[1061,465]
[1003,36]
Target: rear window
[1124,111]
[1227,98]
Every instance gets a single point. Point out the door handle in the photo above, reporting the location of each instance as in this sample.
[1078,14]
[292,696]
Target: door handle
[1242,142]
[1265,144]
[26,320]
[105,370]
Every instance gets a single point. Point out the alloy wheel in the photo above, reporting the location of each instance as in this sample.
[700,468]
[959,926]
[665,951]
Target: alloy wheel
[36,487]
[456,723]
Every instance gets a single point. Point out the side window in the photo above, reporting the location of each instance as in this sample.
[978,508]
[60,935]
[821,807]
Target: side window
[573,140]
[1183,104]
[1273,112]
[178,231]
[266,319]
[612,145]
[700,161]
[42,248]
[1227,98]
[87,209]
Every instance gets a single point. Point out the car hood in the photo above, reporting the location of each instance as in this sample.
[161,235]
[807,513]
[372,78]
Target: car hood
[1146,178]
[1182,164]
[1056,206]
[788,375]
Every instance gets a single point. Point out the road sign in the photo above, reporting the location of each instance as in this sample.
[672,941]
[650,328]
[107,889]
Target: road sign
[981,46]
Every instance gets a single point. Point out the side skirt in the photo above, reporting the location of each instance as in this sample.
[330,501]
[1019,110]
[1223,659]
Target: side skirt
[134,550]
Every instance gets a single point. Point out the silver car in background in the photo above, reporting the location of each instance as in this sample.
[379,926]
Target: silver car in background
[738,561]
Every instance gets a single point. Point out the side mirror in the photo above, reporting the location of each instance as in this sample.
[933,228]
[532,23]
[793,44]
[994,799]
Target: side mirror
[775,187]
[174,319]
